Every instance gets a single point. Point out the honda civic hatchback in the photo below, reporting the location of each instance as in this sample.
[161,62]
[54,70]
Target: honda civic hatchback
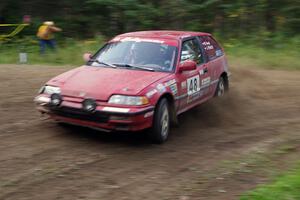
[138,80]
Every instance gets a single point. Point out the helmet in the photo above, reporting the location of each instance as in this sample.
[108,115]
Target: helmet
[49,23]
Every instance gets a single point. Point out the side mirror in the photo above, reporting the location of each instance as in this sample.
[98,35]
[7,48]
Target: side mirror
[87,57]
[187,65]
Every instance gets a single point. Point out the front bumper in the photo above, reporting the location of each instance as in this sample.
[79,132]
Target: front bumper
[105,117]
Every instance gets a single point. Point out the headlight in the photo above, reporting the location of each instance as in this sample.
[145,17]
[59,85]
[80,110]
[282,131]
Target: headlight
[50,90]
[128,100]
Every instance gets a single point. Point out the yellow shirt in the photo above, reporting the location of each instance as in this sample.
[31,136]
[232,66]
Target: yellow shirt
[44,33]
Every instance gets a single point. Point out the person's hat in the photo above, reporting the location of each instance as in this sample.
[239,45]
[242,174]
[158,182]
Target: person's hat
[49,23]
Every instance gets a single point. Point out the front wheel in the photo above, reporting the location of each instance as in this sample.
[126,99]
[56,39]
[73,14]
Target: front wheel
[161,123]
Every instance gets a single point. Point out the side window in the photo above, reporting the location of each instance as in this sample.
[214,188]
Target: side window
[191,51]
[211,47]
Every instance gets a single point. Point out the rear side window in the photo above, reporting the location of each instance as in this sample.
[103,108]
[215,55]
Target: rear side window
[211,47]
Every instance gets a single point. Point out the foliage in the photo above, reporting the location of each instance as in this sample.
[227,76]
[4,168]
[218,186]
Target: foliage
[286,187]
[263,26]
[87,18]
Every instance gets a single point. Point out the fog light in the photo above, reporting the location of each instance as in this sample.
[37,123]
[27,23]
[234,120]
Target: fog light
[56,99]
[89,105]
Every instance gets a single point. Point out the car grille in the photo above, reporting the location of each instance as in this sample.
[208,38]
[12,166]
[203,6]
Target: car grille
[80,114]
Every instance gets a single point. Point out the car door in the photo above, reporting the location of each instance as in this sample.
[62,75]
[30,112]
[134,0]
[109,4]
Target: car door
[214,56]
[190,88]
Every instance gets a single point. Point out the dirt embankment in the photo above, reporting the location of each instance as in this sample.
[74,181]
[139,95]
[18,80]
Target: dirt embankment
[205,158]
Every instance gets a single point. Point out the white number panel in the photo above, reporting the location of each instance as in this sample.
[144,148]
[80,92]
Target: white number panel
[193,84]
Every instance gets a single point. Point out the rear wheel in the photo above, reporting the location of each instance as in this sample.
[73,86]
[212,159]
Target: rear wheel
[161,123]
[220,91]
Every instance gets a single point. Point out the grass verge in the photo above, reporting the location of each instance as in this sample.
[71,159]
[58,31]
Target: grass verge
[282,57]
[69,52]
[285,187]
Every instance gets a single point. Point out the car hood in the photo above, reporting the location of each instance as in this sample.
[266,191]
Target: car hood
[101,82]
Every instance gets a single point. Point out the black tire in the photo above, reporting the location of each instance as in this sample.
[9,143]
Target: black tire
[221,88]
[161,123]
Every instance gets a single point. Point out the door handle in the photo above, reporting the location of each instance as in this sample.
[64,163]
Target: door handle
[205,70]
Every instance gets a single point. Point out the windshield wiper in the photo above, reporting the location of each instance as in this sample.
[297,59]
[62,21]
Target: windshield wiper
[138,67]
[103,63]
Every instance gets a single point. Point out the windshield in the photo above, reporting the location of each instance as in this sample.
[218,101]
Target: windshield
[137,55]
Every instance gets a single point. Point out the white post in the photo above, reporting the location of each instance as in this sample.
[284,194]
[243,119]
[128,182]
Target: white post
[23,58]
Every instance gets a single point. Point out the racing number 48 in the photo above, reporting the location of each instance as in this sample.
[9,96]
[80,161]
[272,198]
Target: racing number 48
[193,84]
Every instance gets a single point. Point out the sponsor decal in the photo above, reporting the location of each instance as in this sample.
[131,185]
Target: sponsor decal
[194,96]
[136,39]
[219,53]
[207,45]
[151,93]
[174,88]
[183,84]
[186,55]
[170,82]
[115,109]
[193,85]
[205,81]
[161,88]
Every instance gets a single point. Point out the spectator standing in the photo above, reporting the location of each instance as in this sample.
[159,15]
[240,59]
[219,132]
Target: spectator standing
[46,35]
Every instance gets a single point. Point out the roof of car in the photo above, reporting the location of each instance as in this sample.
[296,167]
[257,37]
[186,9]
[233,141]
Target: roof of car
[163,34]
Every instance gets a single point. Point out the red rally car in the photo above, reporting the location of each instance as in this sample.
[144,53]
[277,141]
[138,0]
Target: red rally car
[137,81]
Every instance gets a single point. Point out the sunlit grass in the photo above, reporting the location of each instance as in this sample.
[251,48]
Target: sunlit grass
[69,52]
[285,187]
[273,57]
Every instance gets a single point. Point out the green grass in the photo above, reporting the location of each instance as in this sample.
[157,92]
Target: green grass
[273,57]
[252,57]
[69,52]
[285,187]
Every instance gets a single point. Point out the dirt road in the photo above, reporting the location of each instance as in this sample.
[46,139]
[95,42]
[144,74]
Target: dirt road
[218,152]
